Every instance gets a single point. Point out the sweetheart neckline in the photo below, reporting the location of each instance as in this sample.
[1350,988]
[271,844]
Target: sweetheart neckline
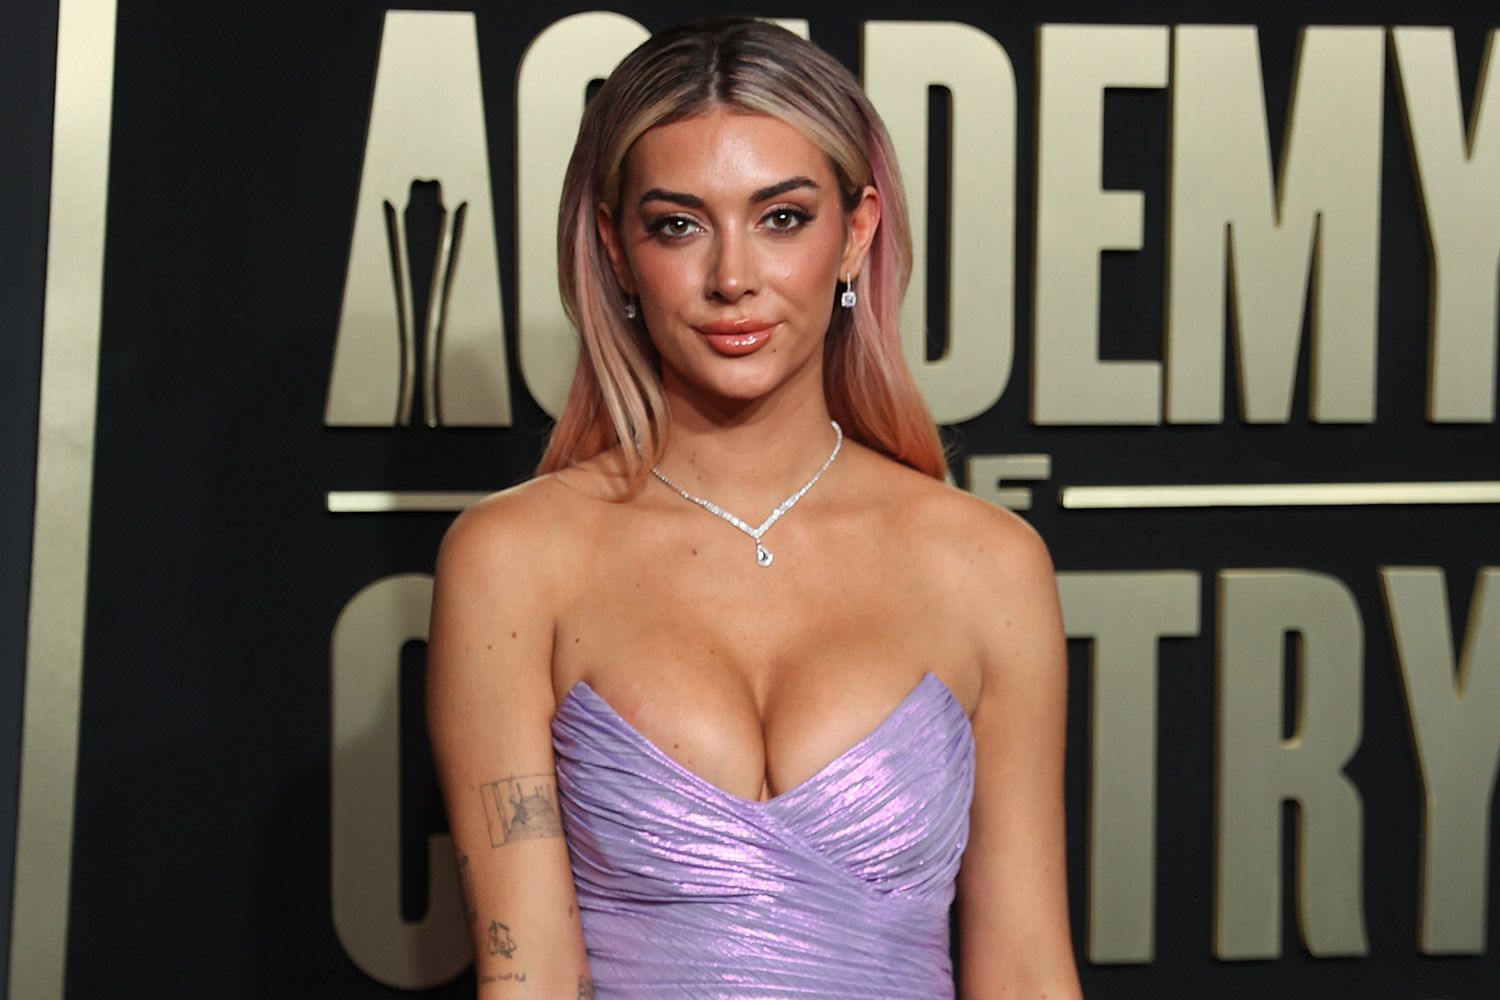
[682,769]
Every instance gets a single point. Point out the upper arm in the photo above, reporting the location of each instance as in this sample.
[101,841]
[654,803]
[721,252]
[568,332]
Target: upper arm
[1014,935]
[490,702]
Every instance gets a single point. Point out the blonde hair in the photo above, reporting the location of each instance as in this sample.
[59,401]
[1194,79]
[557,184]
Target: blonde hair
[757,68]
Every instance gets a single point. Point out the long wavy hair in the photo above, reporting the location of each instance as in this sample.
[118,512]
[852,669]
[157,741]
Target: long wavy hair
[756,68]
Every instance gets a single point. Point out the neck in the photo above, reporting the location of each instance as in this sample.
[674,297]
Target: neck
[747,457]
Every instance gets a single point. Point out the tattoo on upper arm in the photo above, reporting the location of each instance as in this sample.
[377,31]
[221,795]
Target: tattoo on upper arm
[466,888]
[503,977]
[521,807]
[585,988]
[500,940]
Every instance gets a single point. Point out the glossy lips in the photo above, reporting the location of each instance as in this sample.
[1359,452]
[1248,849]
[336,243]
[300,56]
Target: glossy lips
[736,338]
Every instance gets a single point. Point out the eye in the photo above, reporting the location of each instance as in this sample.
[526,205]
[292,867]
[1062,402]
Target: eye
[786,218]
[672,226]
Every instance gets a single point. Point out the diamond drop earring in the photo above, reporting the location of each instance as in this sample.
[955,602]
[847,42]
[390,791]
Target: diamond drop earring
[630,308]
[848,299]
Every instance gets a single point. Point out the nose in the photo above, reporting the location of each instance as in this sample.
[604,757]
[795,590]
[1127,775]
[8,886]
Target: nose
[731,272]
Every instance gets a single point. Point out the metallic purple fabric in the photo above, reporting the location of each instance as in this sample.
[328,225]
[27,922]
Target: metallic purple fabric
[838,888]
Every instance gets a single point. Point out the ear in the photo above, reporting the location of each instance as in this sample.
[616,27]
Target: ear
[610,236]
[863,222]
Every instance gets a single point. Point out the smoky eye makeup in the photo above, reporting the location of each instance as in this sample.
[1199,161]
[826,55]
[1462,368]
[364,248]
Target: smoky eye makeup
[671,226]
[777,219]
[798,216]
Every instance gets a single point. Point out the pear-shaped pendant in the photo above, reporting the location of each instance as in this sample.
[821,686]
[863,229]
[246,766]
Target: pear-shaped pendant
[763,556]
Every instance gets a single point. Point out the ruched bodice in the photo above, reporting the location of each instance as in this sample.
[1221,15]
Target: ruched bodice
[839,887]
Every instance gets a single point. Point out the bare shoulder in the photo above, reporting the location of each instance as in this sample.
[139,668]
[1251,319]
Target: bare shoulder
[503,573]
[532,531]
[991,572]
[966,540]
[514,524]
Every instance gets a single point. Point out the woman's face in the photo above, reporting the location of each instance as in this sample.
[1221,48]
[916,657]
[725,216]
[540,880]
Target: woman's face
[732,233]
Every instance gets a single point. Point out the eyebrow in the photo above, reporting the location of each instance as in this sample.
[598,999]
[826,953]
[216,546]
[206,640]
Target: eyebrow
[693,201]
[790,184]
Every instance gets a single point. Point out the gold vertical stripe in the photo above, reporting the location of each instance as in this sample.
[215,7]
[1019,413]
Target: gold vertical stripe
[64,487]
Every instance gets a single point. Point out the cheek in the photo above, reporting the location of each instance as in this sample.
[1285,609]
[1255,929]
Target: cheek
[808,292]
[807,277]
[663,274]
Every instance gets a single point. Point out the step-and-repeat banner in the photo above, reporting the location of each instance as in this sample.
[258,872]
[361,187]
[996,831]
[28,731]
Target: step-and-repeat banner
[1209,297]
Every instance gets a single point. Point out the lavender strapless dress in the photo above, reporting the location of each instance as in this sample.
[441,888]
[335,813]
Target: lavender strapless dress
[838,888]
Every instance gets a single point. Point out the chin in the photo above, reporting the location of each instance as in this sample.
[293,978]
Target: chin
[744,380]
[752,381]
[740,390]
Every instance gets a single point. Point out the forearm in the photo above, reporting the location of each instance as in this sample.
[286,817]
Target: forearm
[525,946]
[517,984]
[524,927]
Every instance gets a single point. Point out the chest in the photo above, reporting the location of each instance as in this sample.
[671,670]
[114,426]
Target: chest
[755,678]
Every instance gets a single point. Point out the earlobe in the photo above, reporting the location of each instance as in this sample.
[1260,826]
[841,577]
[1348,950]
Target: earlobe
[604,223]
[863,222]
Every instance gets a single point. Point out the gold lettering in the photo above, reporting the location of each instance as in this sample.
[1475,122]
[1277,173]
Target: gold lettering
[426,122]
[555,72]
[1125,614]
[364,784]
[903,59]
[985,473]
[1076,219]
[1323,216]
[1258,769]
[1459,175]
[1457,743]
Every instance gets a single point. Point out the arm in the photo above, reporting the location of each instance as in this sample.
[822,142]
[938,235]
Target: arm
[1014,936]
[489,708]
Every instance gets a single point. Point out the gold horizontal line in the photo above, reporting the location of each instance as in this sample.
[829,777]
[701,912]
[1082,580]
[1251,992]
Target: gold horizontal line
[398,502]
[1072,497]
[1278,495]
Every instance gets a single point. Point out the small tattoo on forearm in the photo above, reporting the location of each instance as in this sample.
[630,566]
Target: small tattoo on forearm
[503,977]
[500,940]
[521,807]
[466,888]
[585,988]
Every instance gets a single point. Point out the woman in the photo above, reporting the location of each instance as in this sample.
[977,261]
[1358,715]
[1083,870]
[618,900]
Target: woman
[684,762]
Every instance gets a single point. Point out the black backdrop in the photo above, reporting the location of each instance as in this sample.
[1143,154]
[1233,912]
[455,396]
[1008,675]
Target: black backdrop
[201,858]
[27,40]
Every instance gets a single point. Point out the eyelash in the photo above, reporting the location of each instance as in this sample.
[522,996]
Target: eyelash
[658,227]
[802,216]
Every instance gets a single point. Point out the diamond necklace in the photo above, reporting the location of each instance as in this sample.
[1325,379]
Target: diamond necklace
[763,555]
